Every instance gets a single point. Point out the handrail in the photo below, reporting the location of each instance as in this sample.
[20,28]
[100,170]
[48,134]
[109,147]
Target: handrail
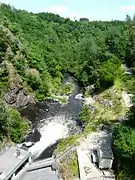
[47,162]
[65,153]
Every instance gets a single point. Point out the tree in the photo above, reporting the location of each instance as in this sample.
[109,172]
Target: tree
[134,18]
[116,41]
[109,71]
[3,119]
[130,53]
[84,20]
[4,41]
[124,142]
[18,126]
[85,115]
[128,19]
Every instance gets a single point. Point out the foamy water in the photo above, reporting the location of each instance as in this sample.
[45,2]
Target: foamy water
[51,130]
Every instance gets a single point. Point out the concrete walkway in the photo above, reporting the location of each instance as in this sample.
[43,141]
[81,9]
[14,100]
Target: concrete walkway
[87,170]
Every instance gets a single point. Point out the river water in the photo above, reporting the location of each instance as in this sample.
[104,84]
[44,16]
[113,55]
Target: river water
[52,121]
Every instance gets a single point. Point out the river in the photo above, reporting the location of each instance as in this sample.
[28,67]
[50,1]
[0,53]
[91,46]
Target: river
[52,121]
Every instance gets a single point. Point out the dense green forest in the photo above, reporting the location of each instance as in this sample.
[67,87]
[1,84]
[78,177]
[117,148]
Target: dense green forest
[41,47]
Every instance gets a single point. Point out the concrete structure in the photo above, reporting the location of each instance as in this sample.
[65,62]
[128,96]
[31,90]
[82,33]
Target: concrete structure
[11,159]
[95,156]
[41,164]
[39,174]
[105,159]
[15,164]
[100,142]
[88,171]
[102,154]
[40,170]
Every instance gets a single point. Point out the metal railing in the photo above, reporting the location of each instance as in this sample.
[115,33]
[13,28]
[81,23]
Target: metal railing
[66,153]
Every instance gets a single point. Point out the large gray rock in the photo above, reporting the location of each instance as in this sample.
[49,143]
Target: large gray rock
[17,97]
[23,100]
[10,98]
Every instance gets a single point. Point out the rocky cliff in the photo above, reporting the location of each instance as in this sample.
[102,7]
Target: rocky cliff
[18,97]
[14,90]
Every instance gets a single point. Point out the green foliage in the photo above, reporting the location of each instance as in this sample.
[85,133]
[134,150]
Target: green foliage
[33,81]
[69,167]
[124,142]
[3,119]
[3,80]
[66,143]
[74,166]
[12,125]
[109,71]
[124,146]
[4,43]
[85,114]
[17,125]
[20,64]
[122,174]
[84,20]
[56,45]
[66,89]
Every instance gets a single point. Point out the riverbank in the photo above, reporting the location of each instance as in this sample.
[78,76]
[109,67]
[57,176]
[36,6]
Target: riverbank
[108,107]
[76,161]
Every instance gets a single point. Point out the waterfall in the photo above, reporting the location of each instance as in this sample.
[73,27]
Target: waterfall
[51,130]
[53,121]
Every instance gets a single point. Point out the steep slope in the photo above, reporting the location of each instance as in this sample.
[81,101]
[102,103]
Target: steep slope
[11,48]
[53,45]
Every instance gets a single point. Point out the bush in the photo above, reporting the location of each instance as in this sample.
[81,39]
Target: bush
[85,114]
[66,89]
[66,143]
[12,125]
[18,126]
[33,81]
[3,119]
[124,142]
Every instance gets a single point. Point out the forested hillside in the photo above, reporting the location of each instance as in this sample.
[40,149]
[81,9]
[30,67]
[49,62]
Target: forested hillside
[37,49]
[51,45]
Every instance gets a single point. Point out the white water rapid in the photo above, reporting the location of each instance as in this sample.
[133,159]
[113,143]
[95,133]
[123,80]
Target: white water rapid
[51,130]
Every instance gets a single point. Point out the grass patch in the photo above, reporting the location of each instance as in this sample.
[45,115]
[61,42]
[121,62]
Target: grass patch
[85,114]
[66,89]
[74,140]
[62,99]
[119,84]
[69,167]
[66,143]
[89,129]
[109,104]
[4,142]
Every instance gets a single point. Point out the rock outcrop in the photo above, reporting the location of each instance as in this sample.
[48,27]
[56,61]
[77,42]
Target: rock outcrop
[17,97]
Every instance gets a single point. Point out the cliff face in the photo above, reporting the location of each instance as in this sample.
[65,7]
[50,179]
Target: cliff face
[14,90]
[18,97]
